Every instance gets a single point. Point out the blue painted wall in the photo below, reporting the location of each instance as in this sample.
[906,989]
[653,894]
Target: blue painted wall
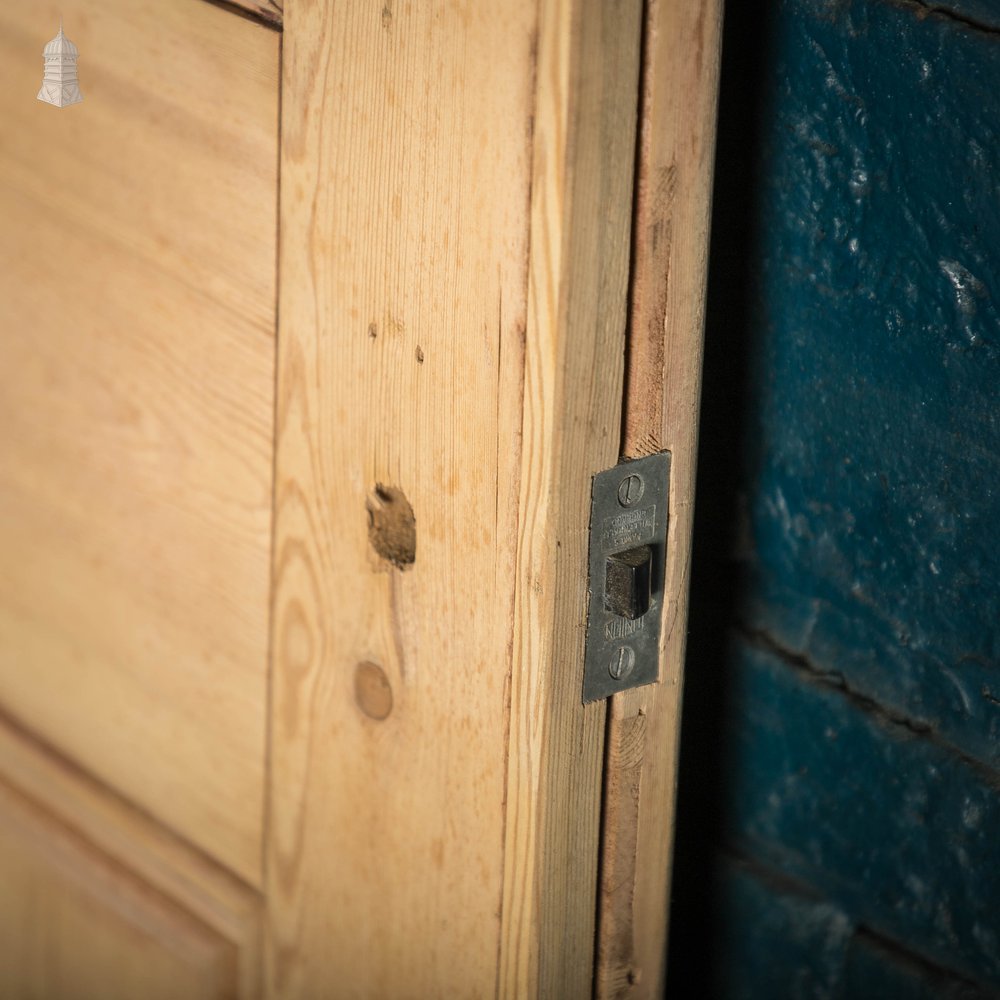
[840,762]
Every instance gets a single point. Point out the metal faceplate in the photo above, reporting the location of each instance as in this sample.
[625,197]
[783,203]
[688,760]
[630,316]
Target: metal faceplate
[628,512]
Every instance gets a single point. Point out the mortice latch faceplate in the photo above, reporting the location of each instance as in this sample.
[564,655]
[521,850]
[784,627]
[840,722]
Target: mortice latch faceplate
[628,542]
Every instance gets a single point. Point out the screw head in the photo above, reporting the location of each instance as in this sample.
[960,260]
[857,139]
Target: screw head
[622,662]
[631,489]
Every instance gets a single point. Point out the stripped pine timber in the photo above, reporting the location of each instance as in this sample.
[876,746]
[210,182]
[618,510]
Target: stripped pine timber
[585,114]
[86,915]
[455,213]
[137,282]
[152,863]
[662,389]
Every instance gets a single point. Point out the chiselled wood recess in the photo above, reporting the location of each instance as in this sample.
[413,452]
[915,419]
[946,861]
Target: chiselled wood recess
[314,327]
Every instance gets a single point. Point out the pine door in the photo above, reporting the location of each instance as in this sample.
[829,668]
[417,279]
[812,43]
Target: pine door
[315,323]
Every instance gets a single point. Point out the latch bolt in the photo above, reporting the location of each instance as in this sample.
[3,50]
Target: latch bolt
[627,582]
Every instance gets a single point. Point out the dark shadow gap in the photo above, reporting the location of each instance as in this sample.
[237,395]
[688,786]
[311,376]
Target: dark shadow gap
[729,346]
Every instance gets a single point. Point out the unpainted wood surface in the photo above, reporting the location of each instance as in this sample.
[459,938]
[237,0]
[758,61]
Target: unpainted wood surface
[404,187]
[584,151]
[435,782]
[662,389]
[152,855]
[76,923]
[137,285]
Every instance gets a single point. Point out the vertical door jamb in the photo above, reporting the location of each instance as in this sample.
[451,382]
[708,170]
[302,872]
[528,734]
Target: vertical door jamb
[676,152]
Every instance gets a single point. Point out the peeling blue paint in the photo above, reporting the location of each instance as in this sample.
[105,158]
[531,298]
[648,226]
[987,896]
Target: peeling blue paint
[851,733]
[814,936]
[782,941]
[874,486]
[897,831]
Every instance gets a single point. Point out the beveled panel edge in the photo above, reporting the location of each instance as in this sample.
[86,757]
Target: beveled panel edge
[266,12]
[150,852]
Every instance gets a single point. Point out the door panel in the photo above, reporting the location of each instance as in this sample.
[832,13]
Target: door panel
[73,923]
[113,828]
[137,282]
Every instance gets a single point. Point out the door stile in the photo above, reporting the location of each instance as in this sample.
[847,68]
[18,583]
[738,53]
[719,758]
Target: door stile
[455,215]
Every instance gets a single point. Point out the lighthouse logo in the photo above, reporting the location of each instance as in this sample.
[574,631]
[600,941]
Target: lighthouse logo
[60,85]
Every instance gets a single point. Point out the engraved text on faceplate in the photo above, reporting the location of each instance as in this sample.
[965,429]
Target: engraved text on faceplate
[622,628]
[629,529]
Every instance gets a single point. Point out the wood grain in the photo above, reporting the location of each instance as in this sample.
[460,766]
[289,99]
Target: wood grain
[404,189]
[662,389]
[435,781]
[584,131]
[65,800]
[74,923]
[137,281]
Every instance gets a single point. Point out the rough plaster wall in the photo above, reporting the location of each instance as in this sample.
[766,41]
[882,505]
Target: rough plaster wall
[841,748]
